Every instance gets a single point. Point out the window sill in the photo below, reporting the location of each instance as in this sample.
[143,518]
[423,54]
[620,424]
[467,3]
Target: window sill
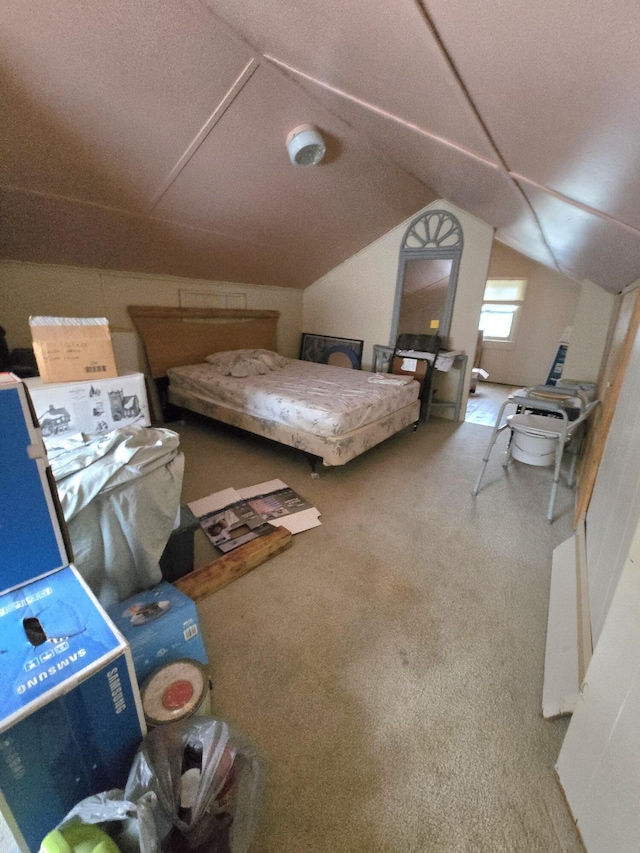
[488,343]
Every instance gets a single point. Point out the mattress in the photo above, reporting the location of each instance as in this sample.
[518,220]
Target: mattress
[317,398]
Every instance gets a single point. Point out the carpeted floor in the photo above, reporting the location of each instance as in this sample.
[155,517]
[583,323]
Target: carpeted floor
[389,665]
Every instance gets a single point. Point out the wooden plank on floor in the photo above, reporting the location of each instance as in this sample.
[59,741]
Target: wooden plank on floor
[561,687]
[208,579]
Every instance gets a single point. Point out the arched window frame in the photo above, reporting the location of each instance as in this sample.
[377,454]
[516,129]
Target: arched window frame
[433,235]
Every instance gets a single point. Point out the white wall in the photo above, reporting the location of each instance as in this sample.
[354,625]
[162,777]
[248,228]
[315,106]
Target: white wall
[589,335]
[355,299]
[599,764]
[550,305]
[27,289]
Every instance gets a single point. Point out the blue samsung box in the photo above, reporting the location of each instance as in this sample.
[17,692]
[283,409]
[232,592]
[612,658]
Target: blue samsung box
[70,712]
[161,625]
[31,542]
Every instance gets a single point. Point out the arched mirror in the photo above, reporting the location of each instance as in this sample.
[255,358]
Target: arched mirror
[427,276]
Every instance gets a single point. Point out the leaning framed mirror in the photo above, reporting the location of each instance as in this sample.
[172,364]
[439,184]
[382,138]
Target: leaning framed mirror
[428,266]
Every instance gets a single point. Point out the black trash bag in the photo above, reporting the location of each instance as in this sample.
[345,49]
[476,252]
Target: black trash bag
[208,782]
[131,824]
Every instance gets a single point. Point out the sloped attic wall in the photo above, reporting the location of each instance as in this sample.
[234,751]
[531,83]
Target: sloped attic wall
[149,136]
[356,299]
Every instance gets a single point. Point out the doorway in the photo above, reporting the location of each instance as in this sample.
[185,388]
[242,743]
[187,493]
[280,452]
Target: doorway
[484,405]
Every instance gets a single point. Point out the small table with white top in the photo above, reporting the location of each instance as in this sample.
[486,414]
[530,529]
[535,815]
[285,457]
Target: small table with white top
[382,357]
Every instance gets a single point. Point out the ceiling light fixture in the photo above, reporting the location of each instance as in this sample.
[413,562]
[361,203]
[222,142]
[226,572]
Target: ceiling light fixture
[305,146]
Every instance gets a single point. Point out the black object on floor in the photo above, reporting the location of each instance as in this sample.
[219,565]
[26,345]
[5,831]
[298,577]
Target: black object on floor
[177,558]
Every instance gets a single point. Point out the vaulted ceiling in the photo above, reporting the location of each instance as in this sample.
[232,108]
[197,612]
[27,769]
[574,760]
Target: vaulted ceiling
[150,135]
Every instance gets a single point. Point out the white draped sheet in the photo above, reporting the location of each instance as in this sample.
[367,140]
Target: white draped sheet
[120,496]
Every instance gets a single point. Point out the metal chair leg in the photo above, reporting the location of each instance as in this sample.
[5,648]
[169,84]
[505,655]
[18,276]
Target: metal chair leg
[494,435]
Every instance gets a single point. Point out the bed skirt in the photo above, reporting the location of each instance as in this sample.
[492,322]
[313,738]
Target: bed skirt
[333,450]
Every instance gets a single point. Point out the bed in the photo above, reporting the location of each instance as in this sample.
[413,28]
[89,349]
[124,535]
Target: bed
[333,414]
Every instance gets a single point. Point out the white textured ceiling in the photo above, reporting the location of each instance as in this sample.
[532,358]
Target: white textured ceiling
[149,136]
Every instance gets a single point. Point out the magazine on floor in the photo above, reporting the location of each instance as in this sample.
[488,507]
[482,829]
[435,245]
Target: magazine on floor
[232,517]
[229,521]
[281,506]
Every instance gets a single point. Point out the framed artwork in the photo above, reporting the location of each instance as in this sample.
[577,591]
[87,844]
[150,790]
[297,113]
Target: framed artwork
[326,349]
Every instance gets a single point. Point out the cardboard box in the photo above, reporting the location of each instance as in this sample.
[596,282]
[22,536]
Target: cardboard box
[32,543]
[93,407]
[161,625]
[70,349]
[70,712]
[477,373]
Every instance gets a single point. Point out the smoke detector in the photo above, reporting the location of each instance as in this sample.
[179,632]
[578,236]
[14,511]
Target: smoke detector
[305,146]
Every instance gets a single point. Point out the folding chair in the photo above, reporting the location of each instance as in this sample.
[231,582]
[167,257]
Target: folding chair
[423,350]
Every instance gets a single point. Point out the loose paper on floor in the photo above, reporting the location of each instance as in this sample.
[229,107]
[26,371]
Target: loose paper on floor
[232,517]
[228,520]
[281,506]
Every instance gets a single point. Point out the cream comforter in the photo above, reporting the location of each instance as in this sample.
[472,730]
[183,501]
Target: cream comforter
[316,398]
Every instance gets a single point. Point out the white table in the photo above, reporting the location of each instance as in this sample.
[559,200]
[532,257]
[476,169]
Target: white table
[382,357]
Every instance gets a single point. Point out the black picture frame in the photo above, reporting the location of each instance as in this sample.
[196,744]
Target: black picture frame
[328,349]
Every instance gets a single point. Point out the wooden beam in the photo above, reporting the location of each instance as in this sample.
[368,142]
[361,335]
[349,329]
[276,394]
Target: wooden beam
[208,579]
[623,340]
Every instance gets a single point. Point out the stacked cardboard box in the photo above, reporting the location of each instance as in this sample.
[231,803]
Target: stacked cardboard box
[70,712]
[69,349]
[93,407]
[161,626]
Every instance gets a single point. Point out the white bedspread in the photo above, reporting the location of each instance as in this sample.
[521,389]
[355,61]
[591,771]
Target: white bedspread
[317,398]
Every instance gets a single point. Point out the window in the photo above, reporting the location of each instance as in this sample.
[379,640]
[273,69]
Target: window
[503,299]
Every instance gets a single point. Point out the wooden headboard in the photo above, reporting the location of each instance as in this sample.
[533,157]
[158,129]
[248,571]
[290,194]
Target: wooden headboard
[176,336]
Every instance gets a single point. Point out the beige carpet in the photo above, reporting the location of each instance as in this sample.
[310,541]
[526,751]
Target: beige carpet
[389,665]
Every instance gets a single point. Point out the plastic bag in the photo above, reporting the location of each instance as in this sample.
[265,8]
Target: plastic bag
[208,782]
[130,824]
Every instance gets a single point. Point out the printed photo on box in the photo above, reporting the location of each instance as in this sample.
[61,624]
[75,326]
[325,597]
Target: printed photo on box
[233,526]
[93,407]
[161,625]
